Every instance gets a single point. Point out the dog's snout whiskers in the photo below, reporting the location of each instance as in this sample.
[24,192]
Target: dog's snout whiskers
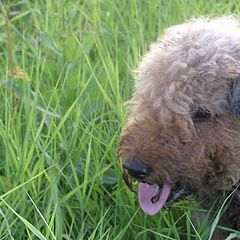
[127,180]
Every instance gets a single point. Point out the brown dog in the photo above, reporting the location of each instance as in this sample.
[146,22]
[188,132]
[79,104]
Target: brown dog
[183,133]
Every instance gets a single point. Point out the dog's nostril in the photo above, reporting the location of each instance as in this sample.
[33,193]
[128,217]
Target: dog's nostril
[137,170]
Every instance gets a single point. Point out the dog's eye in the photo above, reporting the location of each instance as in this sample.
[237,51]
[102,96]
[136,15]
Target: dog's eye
[200,114]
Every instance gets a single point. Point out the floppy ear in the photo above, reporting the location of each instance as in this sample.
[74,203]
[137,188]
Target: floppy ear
[235,97]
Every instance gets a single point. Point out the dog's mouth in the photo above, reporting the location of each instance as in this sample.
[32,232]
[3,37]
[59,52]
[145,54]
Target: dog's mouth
[153,197]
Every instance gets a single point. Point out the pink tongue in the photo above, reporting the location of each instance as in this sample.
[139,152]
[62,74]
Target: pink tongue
[145,194]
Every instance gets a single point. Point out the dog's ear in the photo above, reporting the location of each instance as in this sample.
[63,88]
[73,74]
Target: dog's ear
[235,97]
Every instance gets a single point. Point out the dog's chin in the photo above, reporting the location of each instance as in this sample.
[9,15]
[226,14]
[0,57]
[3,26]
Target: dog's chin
[152,197]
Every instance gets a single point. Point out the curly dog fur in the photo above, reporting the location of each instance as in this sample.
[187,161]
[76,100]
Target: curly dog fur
[184,118]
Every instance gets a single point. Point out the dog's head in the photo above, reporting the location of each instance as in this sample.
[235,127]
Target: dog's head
[183,133]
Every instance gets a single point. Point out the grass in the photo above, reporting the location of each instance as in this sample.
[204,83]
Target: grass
[66,70]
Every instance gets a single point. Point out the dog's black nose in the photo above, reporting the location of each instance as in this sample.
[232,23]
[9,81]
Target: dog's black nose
[137,170]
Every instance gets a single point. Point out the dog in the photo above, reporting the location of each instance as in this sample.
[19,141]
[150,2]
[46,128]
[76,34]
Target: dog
[182,135]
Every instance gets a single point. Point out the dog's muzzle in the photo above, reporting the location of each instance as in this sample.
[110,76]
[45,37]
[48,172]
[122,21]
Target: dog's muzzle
[137,170]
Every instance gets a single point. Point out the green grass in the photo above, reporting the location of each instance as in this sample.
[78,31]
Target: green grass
[66,70]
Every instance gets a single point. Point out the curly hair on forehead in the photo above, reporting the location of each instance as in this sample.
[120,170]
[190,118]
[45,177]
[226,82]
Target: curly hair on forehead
[186,66]
[183,132]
